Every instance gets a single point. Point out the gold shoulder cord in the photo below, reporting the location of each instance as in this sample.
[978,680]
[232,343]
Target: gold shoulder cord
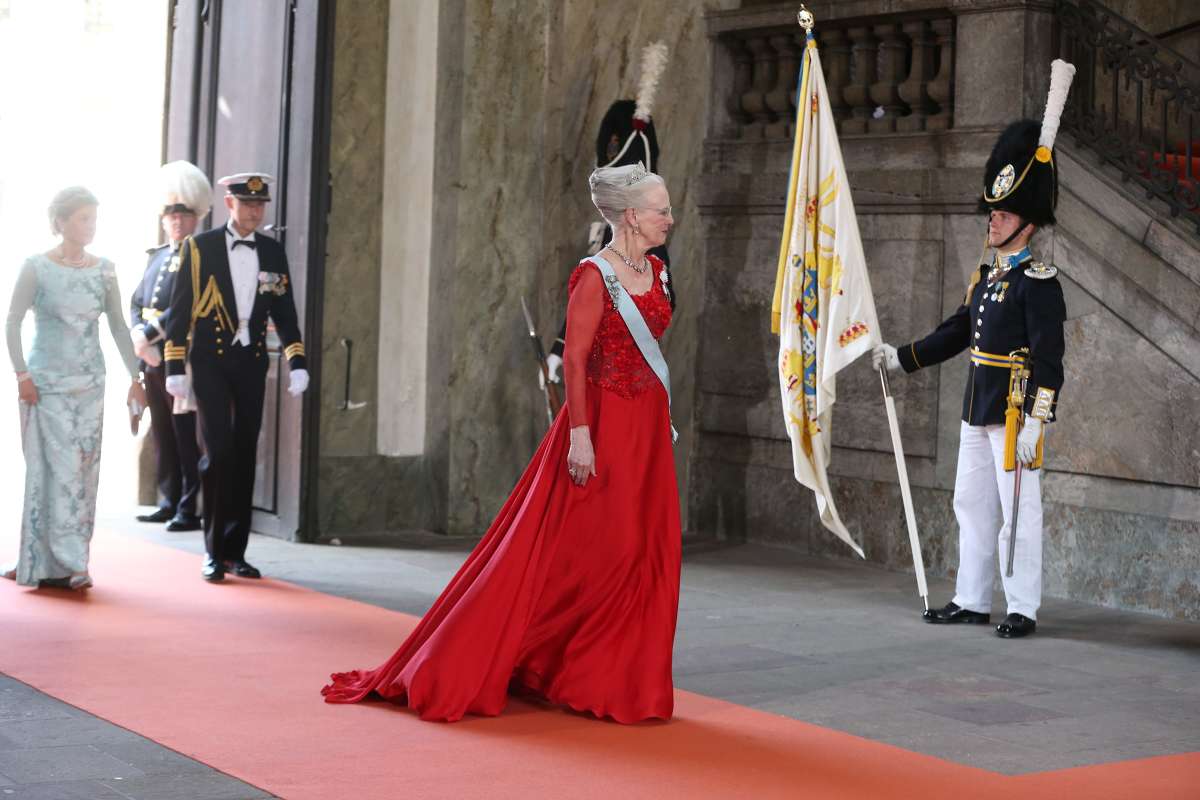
[978,270]
[211,301]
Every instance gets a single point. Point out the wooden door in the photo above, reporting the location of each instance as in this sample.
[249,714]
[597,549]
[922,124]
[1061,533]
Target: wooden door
[247,84]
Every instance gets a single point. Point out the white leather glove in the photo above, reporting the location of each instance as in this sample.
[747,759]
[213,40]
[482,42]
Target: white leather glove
[554,367]
[177,386]
[885,354]
[1027,440]
[297,382]
[142,347]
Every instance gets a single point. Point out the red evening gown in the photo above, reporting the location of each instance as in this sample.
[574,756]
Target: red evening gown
[573,592]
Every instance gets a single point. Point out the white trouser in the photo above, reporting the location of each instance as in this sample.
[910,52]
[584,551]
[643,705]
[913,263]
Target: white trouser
[983,495]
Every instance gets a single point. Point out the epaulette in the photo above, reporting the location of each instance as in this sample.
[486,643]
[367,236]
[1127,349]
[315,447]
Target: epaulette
[1041,271]
[152,250]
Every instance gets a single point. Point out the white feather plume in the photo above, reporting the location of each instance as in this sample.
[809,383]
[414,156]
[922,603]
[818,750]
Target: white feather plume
[1061,75]
[184,182]
[654,61]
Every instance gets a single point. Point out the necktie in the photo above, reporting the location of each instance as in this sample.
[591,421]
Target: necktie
[248,242]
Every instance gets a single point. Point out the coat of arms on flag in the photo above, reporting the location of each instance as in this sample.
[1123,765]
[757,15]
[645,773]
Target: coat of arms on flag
[823,308]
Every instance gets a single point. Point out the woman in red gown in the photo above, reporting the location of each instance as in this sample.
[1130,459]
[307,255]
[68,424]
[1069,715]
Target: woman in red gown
[573,592]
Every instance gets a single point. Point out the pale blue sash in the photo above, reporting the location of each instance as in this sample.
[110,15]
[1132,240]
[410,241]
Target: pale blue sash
[642,336]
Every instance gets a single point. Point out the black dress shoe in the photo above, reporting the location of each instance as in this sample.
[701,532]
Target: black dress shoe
[184,522]
[212,570]
[952,614]
[162,515]
[242,569]
[1015,626]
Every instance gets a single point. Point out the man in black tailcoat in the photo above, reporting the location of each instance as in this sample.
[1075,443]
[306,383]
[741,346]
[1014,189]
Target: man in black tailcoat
[231,280]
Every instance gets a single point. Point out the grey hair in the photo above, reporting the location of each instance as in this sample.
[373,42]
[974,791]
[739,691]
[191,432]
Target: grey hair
[615,189]
[67,202]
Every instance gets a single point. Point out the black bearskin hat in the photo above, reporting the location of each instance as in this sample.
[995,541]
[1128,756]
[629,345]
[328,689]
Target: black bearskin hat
[1020,176]
[616,129]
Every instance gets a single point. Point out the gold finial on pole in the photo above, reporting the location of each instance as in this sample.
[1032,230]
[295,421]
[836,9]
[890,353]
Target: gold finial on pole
[805,18]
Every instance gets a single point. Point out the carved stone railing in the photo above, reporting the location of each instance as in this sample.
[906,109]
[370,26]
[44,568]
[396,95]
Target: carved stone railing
[884,75]
[1135,102]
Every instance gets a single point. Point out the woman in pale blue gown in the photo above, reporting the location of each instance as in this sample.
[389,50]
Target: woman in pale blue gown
[61,392]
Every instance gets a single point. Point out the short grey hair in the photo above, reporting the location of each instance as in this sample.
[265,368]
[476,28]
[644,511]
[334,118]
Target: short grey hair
[67,202]
[615,189]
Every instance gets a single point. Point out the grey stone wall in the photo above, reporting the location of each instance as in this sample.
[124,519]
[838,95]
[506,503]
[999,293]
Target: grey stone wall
[1122,484]
[521,90]
[349,495]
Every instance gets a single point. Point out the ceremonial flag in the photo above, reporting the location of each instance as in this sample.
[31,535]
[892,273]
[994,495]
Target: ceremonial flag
[823,309]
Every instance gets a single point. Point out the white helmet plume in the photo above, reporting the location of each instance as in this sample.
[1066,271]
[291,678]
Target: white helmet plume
[1061,75]
[183,183]
[654,61]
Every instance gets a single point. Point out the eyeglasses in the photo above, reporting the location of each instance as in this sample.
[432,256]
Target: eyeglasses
[666,212]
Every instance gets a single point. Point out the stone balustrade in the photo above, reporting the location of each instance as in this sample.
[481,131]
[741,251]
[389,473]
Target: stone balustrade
[883,75]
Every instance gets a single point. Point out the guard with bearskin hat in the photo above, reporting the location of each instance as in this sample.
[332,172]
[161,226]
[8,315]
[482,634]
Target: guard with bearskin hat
[1011,319]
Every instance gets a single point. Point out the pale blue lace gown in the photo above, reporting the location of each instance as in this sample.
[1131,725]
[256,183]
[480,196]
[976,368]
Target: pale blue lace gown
[61,434]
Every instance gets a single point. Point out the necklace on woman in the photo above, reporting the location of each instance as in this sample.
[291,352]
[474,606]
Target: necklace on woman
[640,269]
[77,263]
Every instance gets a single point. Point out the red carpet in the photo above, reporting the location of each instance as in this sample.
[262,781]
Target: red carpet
[230,675]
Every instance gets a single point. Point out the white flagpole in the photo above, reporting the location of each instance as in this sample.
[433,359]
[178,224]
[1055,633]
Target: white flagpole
[914,540]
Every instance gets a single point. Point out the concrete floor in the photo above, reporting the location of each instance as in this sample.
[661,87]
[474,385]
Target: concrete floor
[838,643]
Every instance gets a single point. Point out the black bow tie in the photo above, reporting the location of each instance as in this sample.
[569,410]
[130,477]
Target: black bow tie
[248,242]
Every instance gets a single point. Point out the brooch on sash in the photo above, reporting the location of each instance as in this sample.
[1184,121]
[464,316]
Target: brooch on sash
[275,283]
[614,288]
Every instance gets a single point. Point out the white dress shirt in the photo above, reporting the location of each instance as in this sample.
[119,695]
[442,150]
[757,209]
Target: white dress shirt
[243,269]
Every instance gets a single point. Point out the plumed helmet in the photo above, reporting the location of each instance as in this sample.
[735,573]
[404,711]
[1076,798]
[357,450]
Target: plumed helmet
[627,131]
[184,188]
[1016,177]
[1020,175]
[618,145]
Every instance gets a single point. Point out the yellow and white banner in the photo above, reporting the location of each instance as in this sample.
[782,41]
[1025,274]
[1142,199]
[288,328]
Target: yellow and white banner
[823,308]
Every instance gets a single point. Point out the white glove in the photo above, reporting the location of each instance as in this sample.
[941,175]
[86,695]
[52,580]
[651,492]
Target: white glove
[553,366]
[142,347]
[177,386]
[885,354]
[1027,440]
[297,382]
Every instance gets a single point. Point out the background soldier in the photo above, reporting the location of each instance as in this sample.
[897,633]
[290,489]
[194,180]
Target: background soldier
[187,197]
[230,281]
[1012,304]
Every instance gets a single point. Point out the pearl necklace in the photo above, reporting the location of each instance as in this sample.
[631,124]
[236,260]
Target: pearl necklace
[77,263]
[640,269]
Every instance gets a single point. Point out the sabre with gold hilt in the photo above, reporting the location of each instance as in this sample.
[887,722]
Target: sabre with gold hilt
[1014,420]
